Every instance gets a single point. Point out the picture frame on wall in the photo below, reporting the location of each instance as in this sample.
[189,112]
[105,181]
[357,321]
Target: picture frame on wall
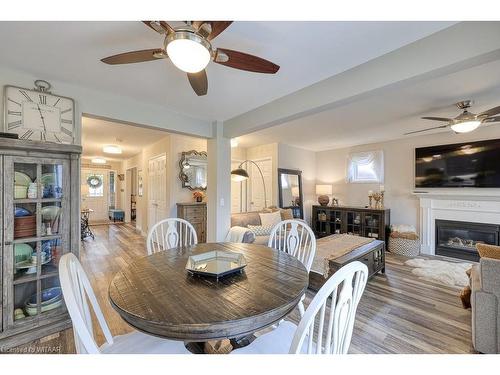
[140,183]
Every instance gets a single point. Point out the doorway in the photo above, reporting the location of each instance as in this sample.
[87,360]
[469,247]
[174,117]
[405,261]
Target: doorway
[157,190]
[98,193]
[131,190]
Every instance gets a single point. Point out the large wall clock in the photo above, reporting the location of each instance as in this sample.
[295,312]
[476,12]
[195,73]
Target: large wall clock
[37,114]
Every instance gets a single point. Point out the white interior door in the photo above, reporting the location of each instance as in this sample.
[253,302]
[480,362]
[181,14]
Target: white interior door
[95,198]
[256,186]
[157,190]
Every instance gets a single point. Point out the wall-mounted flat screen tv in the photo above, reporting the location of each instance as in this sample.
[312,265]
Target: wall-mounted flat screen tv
[471,164]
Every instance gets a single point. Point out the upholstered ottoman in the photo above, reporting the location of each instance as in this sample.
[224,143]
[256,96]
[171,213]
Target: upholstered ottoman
[115,214]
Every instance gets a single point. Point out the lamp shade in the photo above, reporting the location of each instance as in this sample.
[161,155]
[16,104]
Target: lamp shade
[239,174]
[324,190]
[295,191]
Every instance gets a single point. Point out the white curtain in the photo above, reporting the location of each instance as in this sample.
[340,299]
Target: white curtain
[365,167]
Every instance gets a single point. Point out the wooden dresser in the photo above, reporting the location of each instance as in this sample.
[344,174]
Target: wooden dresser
[196,214]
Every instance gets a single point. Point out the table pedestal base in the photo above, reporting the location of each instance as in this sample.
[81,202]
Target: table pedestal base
[201,347]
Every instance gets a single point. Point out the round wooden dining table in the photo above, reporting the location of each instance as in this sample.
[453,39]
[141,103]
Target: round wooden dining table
[156,295]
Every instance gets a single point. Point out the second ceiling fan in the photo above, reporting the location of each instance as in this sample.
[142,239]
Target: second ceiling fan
[466,121]
[189,48]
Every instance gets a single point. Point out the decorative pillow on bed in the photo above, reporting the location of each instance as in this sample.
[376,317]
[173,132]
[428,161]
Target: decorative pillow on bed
[261,230]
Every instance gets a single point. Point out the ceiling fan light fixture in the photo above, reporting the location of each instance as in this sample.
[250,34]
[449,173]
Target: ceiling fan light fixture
[188,51]
[466,126]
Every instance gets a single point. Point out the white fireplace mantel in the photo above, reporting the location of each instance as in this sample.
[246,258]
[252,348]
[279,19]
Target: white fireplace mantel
[474,208]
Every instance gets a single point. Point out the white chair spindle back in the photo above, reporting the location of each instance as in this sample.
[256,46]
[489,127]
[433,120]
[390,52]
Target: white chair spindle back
[295,238]
[341,293]
[77,292]
[171,233]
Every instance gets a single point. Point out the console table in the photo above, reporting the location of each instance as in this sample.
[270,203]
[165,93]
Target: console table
[359,221]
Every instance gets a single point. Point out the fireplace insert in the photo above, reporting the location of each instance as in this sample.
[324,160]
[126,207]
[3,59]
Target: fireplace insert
[458,239]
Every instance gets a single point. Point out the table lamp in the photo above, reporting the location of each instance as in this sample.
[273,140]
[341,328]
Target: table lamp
[323,192]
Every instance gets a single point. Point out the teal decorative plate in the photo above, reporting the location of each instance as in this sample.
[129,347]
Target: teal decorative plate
[22,252]
[29,266]
[49,179]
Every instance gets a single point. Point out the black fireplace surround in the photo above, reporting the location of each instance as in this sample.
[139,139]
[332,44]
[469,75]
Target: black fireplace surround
[458,239]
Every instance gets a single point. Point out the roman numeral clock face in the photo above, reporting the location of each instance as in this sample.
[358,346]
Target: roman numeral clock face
[39,116]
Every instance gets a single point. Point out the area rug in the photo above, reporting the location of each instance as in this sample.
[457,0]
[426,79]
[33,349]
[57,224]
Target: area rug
[449,273]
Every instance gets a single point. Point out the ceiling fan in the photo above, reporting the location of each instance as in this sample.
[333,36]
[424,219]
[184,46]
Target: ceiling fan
[189,48]
[466,121]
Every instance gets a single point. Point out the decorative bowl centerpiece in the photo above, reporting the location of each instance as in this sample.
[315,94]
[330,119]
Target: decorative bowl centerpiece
[216,263]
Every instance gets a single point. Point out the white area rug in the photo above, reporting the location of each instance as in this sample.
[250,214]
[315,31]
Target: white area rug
[449,273]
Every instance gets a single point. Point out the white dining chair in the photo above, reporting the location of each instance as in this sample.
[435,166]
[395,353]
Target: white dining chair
[77,293]
[297,239]
[170,233]
[328,322]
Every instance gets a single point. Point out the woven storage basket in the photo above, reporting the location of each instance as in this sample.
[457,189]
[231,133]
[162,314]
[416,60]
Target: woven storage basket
[404,246]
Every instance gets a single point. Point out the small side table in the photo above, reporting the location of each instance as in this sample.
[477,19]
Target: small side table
[85,228]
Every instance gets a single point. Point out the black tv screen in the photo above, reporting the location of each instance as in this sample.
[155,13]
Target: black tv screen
[472,164]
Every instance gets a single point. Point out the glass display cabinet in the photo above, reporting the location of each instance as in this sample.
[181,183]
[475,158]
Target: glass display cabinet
[358,221]
[40,217]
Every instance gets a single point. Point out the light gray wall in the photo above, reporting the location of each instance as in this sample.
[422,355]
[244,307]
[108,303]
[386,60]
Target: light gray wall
[399,171]
[178,144]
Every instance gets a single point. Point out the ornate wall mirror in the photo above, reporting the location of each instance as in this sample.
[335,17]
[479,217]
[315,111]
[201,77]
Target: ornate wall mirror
[193,170]
[290,191]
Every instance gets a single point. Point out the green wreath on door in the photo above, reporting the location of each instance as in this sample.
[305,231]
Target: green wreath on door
[94,181]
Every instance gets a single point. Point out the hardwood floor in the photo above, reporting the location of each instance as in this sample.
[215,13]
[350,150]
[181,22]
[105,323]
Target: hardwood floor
[398,313]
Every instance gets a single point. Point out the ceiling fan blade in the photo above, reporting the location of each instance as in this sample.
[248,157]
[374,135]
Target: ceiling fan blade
[199,82]
[438,119]
[135,56]
[216,27]
[165,26]
[244,61]
[154,26]
[424,130]
[492,119]
[490,112]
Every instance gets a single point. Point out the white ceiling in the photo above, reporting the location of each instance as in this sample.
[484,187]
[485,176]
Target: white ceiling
[97,133]
[389,115]
[306,51]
